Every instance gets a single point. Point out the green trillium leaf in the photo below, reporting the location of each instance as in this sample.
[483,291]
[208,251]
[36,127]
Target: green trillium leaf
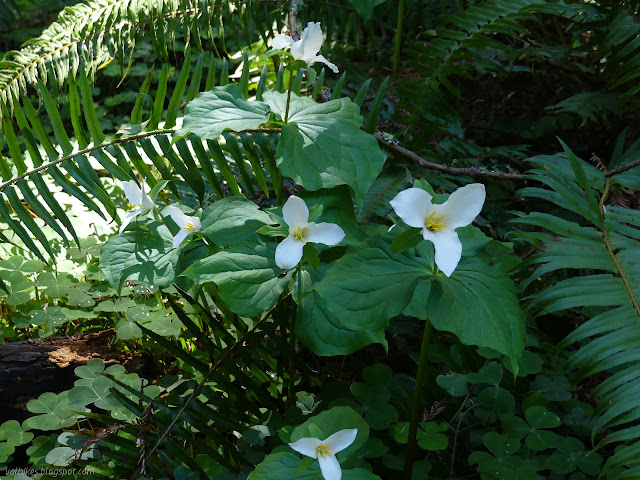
[284,466]
[137,254]
[323,146]
[246,275]
[231,220]
[220,109]
[369,285]
[320,331]
[479,305]
[331,421]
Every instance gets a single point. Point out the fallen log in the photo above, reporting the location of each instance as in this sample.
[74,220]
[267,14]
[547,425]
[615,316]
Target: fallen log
[31,367]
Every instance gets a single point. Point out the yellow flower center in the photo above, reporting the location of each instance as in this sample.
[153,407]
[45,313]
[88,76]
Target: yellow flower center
[434,223]
[190,227]
[299,234]
[323,450]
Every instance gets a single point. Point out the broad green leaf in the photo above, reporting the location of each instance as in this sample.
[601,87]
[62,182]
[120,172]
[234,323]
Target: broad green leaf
[231,220]
[220,109]
[365,7]
[322,145]
[140,255]
[246,276]
[319,330]
[369,285]
[478,304]
[284,466]
[331,421]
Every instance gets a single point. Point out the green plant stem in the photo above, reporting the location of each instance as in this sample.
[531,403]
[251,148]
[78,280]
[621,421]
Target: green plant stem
[396,50]
[286,113]
[164,220]
[416,403]
[609,247]
[292,340]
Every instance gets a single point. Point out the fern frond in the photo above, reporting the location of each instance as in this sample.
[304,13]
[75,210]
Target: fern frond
[598,245]
[88,36]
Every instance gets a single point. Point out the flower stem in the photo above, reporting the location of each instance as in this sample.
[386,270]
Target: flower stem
[164,220]
[286,113]
[396,50]
[416,403]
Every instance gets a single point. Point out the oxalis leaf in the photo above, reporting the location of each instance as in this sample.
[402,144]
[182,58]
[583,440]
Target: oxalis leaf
[478,304]
[140,255]
[220,109]
[246,276]
[322,145]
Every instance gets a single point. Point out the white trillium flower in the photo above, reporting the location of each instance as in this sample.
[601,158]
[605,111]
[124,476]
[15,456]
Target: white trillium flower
[186,223]
[438,222]
[305,49]
[139,198]
[325,451]
[301,231]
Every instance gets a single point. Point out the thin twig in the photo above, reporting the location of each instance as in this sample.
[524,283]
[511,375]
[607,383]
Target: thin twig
[472,171]
[293,21]
[622,168]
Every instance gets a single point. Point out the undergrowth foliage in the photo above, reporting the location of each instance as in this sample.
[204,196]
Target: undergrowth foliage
[315,300]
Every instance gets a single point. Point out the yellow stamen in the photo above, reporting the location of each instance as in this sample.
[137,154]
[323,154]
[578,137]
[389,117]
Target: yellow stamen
[434,223]
[323,450]
[299,234]
[190,227]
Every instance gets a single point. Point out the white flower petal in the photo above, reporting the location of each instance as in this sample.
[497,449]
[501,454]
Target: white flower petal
[145,201]
[327,233]
[448,249]
[330,467]
[195,221]
[132,192]
[179,238]
[462,206]
[311,41]
[289,252]
[183,220]
[297,50]
[321,59]
[341,440]
[412,206]
[307,446]
[295,213]
[281,41]
[130,216]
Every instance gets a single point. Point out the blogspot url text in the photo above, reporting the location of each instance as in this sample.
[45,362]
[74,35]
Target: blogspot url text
[54,472]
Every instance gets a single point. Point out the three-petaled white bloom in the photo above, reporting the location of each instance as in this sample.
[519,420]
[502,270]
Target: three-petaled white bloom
[325,451]
[438,222]
[301,231]
[139,198]
[186,223]
[305,49]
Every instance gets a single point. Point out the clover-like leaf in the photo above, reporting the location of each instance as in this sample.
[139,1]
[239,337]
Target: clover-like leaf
[13,433]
